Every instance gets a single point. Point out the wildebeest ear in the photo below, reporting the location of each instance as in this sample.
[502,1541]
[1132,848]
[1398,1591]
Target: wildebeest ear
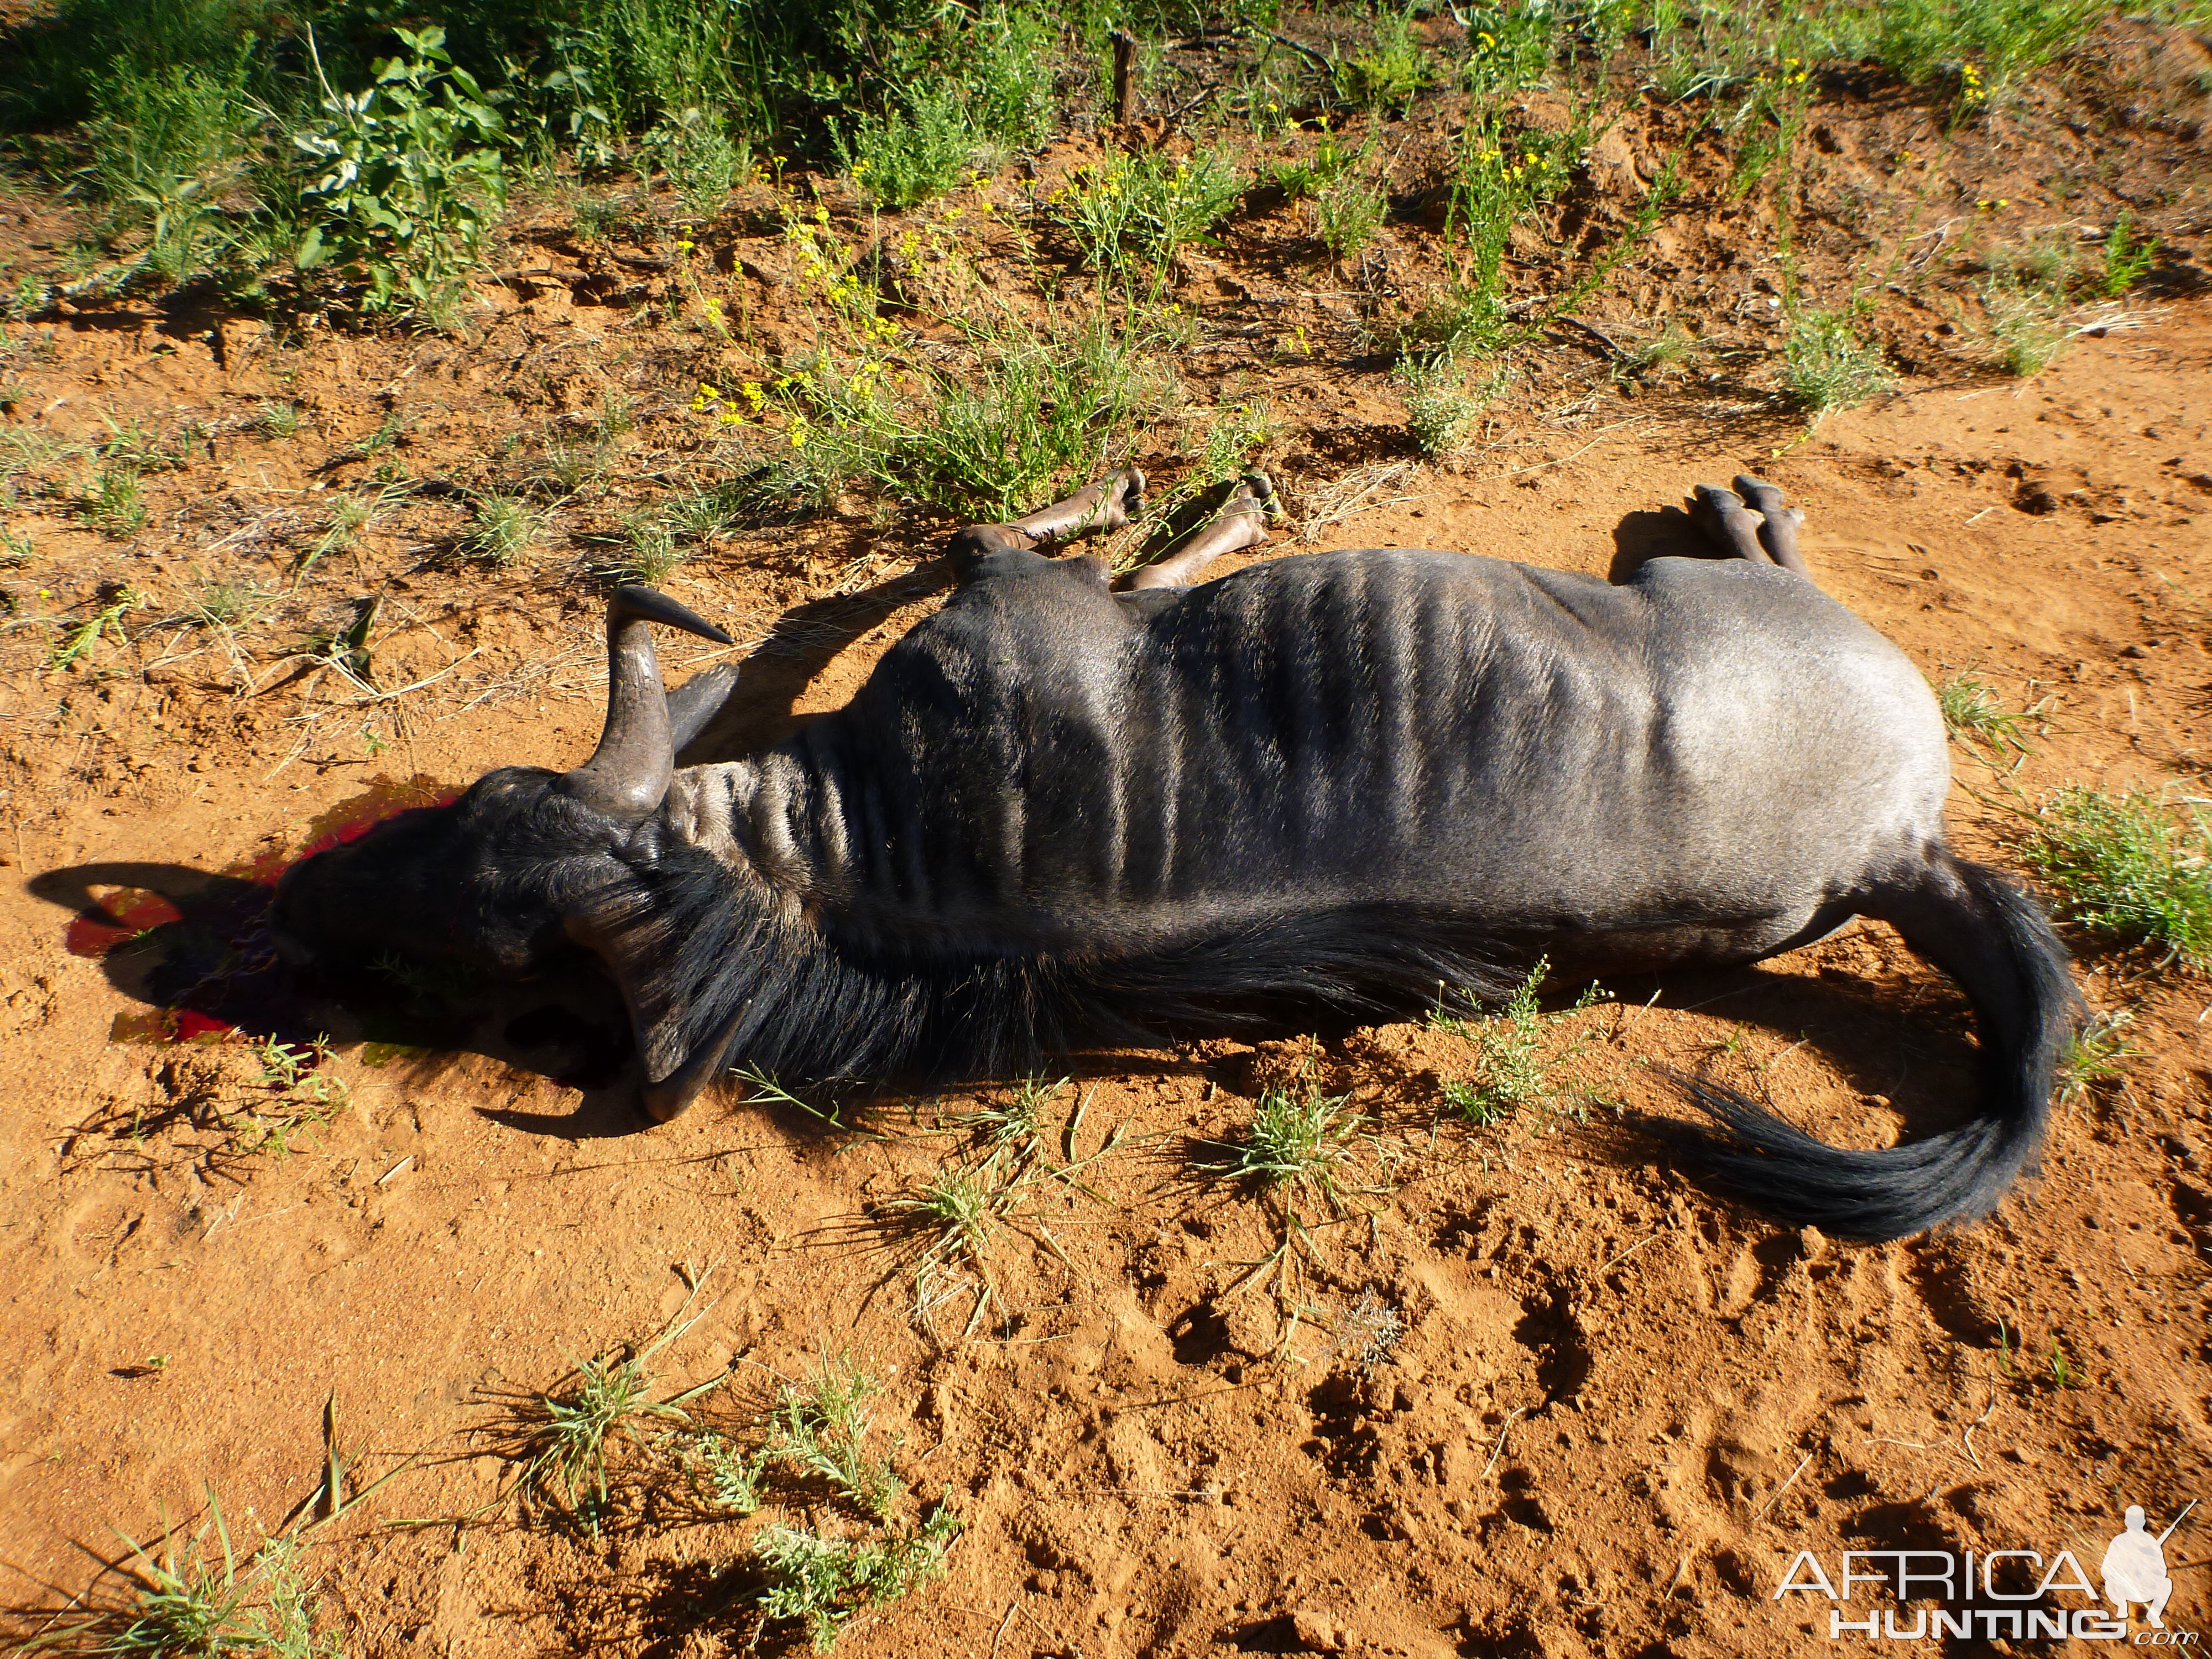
[677,1069]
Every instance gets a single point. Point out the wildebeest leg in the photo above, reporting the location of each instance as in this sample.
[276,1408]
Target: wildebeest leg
[1105,506]
[1764,532]
[1242,523]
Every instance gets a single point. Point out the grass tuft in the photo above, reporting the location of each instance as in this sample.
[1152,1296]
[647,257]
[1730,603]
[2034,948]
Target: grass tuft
[1974,716]
[2130,865]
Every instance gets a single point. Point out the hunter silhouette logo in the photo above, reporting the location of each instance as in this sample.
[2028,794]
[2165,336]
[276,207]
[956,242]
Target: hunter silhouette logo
[1992,1594]
[2135,1566]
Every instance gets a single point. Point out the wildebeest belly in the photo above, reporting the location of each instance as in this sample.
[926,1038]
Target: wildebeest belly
[1388,731]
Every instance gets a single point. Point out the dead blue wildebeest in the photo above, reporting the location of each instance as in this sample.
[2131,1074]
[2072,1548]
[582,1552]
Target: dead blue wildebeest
[1059,815]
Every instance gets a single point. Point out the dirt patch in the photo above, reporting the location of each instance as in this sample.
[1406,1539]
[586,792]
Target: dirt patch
[1529,1392]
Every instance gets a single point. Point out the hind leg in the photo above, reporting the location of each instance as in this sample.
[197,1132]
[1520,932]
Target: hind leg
[1241,523]
[1753,521]
[1105,506]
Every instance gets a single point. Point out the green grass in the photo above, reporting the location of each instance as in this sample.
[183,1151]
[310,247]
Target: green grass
[1976,718]
[605,1401]
[1828,365]
[1295,1141]
[191,1596]
[2096,1055]
[505,529]
[819,1429]
[115,504]
[2027,322]
[2135,866]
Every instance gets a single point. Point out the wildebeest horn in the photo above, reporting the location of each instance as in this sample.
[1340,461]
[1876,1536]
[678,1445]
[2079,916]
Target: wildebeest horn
[629,772]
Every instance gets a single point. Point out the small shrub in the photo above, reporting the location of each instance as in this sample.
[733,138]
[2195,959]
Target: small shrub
[1442,410]
[2129,866]
[1388,73]
[1146,207]
[413,178]
[1349,213]
[193,1596]
[823,1580]
[914,151]
[1514,1064]
[703,162]
[644,550]
[1828,366]
[2126,261]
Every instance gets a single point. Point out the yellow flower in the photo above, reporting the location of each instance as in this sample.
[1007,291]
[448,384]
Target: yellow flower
[705,391]
[751,389]
[731,417]
[685,243]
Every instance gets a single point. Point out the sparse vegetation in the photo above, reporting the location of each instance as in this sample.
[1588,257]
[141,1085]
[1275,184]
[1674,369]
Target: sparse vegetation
[1976,717]
[1128,210]
[1829,365]
[2136,865]
[1515,1057]
[1443,408]
[504,530]
[1301,1142]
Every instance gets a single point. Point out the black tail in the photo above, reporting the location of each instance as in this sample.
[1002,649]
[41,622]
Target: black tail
[1995,941]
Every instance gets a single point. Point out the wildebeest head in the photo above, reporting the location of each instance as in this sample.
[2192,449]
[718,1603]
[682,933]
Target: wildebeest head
[527,865]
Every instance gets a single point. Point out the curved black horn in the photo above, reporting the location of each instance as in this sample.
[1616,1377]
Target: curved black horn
[629,772]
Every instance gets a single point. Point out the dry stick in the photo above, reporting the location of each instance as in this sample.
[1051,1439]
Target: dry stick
[1125,63]
[1777,1497]
[1498,1451]
[1003,1623]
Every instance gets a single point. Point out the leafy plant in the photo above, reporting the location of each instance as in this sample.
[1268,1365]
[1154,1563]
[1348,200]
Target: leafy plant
[1349,213]
[608,1400]
[1390,71]
[823,1580]
[1330,161]
[1514,1064]
[412,176]
[2127,260]
[914,150]
[703,162]
[2129,866]
[820,1429]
